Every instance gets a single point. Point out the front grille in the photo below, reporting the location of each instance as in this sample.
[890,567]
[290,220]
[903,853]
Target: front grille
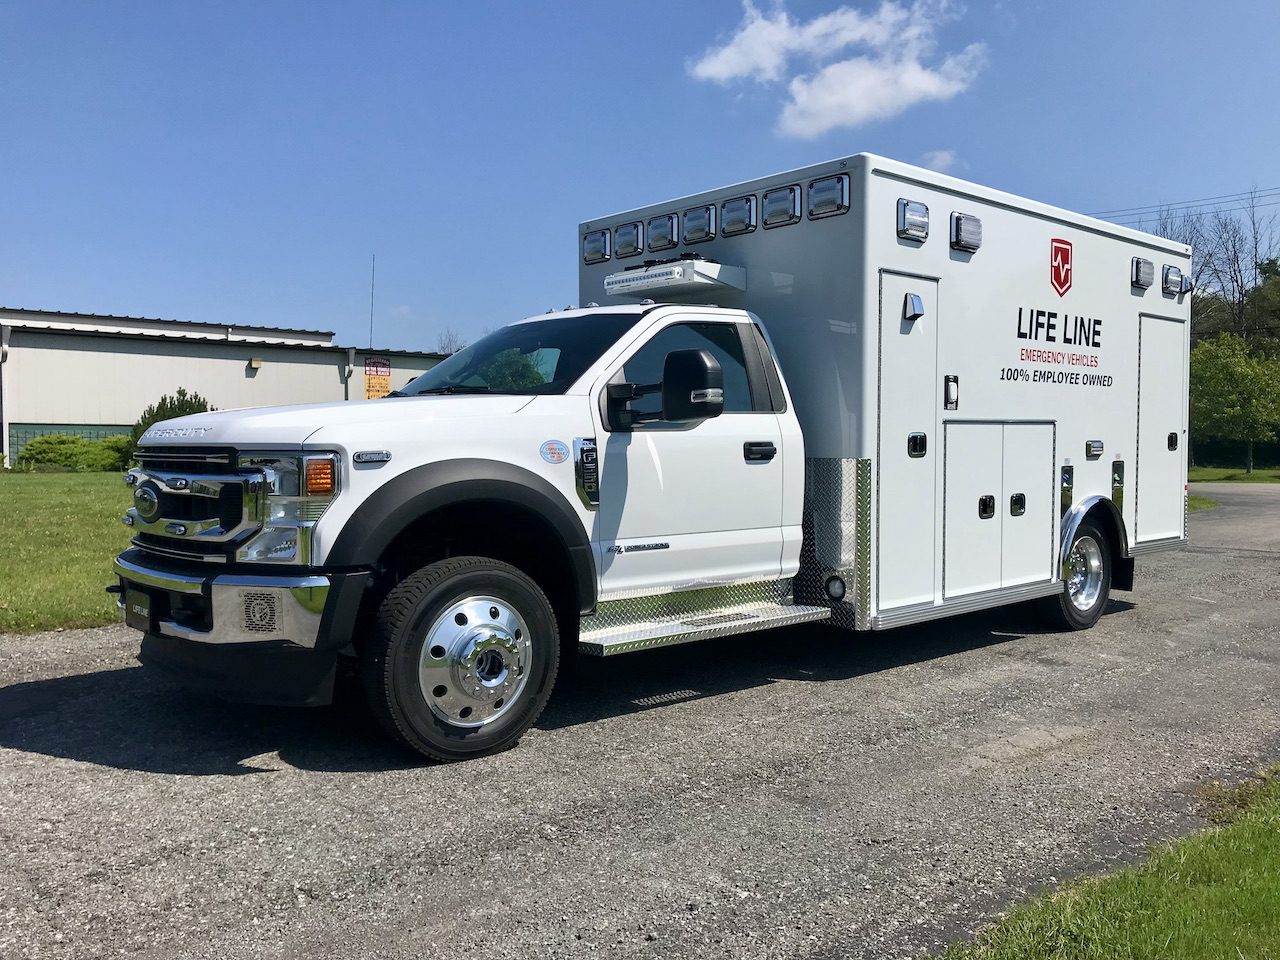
[178,459]
[190,488]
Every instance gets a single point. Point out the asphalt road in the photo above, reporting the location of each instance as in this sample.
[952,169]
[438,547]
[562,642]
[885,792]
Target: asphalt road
[803,793]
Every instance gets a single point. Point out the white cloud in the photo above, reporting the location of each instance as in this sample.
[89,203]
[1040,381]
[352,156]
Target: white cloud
[940,161]
[862,66]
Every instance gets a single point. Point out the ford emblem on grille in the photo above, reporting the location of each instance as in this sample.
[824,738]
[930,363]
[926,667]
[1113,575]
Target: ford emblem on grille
[146,502]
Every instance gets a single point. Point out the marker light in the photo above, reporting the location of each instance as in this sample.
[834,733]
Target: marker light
[828,197]
[738,216]
[1172,284]
[781,207]
[662,232]
[595,246]
[913,220]
[700,224]
[628,240]
[1142,273]
[966,232]
[320,478]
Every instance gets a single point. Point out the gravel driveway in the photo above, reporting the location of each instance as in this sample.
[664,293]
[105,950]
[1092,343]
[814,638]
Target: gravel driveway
[802,793]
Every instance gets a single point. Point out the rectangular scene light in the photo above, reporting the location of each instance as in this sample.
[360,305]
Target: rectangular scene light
[913,220]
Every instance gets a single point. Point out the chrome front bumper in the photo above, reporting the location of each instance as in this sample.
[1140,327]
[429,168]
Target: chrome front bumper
[235,608]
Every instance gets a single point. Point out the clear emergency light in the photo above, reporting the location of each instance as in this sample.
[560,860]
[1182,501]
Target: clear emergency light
[1172,280]
[738,216]
[676,276]
[700,224]
[828,197]
[913,220]
[663,232]
[1142,273]
[595,246]
[966,232]
[628,239]
[781,207]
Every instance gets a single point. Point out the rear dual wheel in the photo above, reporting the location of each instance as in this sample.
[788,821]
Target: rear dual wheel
[1086,580]
[463,659]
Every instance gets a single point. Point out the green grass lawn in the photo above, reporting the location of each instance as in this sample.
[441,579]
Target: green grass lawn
[1235,474]
[1214,895]
[1197,503]
[59,533]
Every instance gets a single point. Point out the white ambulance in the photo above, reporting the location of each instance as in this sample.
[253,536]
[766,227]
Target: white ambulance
[858,393]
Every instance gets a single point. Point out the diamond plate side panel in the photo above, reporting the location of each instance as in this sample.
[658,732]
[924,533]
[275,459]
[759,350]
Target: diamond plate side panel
[837,531]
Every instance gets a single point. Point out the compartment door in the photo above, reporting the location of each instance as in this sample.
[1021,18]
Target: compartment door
[1162,438]
[1027,502]
[909,447]
[972,517]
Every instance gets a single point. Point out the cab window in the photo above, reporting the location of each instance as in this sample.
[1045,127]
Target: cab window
[721,340]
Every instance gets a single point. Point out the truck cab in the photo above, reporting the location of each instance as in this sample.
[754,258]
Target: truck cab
[510,496]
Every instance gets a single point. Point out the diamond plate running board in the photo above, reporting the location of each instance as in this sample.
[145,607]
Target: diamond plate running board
[745,618]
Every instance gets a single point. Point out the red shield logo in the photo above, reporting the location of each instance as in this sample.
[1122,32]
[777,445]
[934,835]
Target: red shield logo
[1060,265]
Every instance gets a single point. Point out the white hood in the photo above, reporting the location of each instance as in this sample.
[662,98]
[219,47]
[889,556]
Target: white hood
[287,427]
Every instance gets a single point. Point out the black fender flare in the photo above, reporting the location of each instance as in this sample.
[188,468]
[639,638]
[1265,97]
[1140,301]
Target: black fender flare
[415,493]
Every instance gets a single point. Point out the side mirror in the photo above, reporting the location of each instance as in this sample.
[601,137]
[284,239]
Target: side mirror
[692,386]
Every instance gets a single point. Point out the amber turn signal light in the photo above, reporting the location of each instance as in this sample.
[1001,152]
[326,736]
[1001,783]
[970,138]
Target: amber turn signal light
[320,481]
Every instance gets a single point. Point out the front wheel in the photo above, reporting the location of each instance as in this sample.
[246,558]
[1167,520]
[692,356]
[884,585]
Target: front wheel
[1086,580]
[463,659]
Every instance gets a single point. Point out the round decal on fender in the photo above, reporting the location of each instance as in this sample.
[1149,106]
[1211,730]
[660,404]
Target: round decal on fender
[555,451]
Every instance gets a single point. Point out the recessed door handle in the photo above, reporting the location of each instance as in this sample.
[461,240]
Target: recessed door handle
[1173,441]
[986,507]
[1017,504]
[917,445]
[758,450]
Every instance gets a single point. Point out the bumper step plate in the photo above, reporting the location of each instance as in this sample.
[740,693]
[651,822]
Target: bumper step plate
[605,641]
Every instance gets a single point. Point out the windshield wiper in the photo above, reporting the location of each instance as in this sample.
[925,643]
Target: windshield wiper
[452,388]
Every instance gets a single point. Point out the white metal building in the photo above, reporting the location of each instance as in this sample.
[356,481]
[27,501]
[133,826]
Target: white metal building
[92,375]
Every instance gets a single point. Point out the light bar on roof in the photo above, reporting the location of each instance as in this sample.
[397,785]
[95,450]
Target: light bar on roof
[678,276]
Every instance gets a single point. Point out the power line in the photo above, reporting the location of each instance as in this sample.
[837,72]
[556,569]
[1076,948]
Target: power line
[1156,207]
[1131,222]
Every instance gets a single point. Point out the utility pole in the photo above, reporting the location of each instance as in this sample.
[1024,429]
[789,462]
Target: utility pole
[373,276]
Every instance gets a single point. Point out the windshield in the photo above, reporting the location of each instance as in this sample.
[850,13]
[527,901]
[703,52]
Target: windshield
[538,356]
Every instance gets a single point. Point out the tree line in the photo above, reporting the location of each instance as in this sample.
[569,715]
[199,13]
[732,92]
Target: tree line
[1235,321]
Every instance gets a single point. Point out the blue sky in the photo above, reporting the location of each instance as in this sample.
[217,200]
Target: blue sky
[240,161]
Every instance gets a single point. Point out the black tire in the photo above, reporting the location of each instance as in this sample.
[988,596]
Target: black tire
[425,720]
[1064,611]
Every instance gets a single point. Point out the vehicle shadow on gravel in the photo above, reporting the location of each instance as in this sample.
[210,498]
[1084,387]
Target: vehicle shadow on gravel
[134,719]
[592,689]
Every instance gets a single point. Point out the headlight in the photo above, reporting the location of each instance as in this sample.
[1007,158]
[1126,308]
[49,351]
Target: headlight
[298,491]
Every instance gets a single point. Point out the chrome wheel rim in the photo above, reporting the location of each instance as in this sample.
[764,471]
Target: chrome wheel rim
[1084,579]
[475,661]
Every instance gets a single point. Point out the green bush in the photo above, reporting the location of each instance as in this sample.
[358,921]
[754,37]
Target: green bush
[111,454]
[57,451]
[64,453]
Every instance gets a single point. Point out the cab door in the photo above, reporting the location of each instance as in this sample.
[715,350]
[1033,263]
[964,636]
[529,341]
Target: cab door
[684,506]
